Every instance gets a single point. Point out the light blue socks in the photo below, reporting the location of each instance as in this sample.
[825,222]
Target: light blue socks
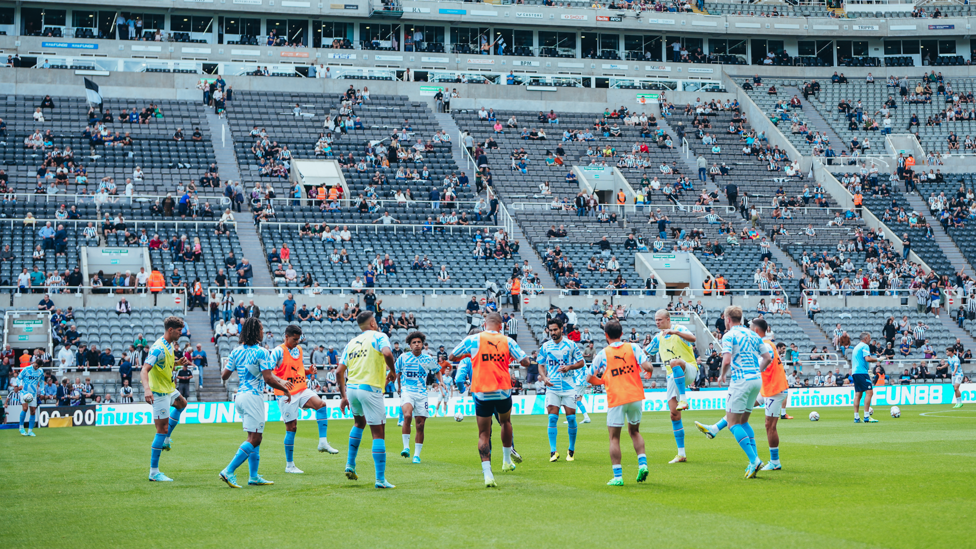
[379,459]
[239,458]
[679,433]
[355,437]
[571,420]
[174,419]
[157,448]
[618,471]
[289,446]
[742,437]
[322,418]
[679,380]
[553,420]
[253,461]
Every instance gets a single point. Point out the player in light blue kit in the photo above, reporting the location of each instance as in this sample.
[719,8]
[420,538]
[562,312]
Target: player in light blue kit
[955,369]
[254,369]
[747,355]
[860,357]
[461,379]
[30,380]
[412,369]
[560,357]
[579,379]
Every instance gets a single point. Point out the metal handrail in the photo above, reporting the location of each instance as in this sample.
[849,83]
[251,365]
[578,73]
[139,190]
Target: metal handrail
[343,290]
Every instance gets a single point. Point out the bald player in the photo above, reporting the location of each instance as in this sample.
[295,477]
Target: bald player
[491,353]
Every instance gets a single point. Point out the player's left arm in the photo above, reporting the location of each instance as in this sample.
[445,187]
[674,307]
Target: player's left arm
[683,333]
[765,359]
[517,353]
[460,352]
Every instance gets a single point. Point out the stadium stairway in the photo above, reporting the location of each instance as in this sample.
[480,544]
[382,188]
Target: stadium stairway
[446,122]
[526,339]
[810,328]
[247,232]
[946,244]
[690,162]
[223,144]
[950,326]
[198,323]
[815,122]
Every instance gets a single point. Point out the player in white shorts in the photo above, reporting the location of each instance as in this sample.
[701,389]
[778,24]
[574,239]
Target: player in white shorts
[289,364]
[955,368]
[560,358]
[30,380]
[160,391]
[412,369]
[254,369]
[744,352]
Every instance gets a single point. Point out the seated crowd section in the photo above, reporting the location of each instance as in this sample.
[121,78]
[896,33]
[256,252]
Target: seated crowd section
[408,219]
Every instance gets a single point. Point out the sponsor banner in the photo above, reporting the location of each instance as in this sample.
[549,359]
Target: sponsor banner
[250,53]
[415,10]
[136,47]
[941,27]
[195,50]
[615,66]
[293,4]
[435,59]
[519,63]
[484,13]
[864,27]
[699,70]
[660,21]
[444,11]
[429,90]
[70,45]
[342,56]
[578,17]
[294,54]
[528,15]
[657,68]
[644,98]
[654,401]
[249,2]
[388,58]
[610,18]
[480,61]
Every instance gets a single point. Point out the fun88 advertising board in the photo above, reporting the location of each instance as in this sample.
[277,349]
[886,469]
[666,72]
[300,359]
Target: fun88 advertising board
[654,401]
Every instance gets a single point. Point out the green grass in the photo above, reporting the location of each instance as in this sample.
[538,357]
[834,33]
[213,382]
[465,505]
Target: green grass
[898,483]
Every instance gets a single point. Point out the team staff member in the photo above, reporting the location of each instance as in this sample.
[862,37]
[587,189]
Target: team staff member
[774,392]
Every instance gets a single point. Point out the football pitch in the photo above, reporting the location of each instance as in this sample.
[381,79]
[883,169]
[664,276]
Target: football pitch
[904,482]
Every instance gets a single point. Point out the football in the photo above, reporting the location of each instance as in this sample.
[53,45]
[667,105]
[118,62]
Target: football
[814,416]
[458,417]
[895,412]
[27,398]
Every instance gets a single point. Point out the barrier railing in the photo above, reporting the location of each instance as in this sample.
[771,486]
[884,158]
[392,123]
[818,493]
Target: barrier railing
[345,290]
[432,205]
[69,199]
[857,298]
[87,292]
[393,227]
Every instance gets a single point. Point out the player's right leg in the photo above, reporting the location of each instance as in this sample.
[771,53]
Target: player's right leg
[504,408]
[857,407]
[374,412]
[23,419]
[355,434]
[552,409]
[677,377]
[632,414]
[32,418]
[773,407]
[406,410]
[483,414]
[572,427]
[419,441]
[956,384]
[160,410]
[868,398]
[678,429]
[322,419]
[712,431]
[614,431]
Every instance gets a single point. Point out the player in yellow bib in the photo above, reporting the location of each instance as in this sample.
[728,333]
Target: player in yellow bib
[675,344]
[167,403]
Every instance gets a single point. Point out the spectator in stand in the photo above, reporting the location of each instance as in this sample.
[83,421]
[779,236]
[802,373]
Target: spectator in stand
[123,308]
[106,360]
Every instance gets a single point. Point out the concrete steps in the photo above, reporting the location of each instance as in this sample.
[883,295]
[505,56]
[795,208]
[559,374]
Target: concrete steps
[198,324]
[815,122]
[950,326]
[811,329]
[945,242]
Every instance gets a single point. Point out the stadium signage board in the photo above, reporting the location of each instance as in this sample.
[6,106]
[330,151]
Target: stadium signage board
[484,13]
[122,251]
[294,54]
[660,21]
[435,59]
[480,61]
[699,70]
[520,63]
[70,45]
[941,27]
[610,18]
[663,256]
[408,9]
[388,57]
[657,68]
[81,416]
[249,2]
[290,4]
[445,11]
[528,15]
[865,27]
[28,322]
[576,17]
[429,90]
[644,98]
[654,401]
[342,56]
[680,318]
[615,66]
